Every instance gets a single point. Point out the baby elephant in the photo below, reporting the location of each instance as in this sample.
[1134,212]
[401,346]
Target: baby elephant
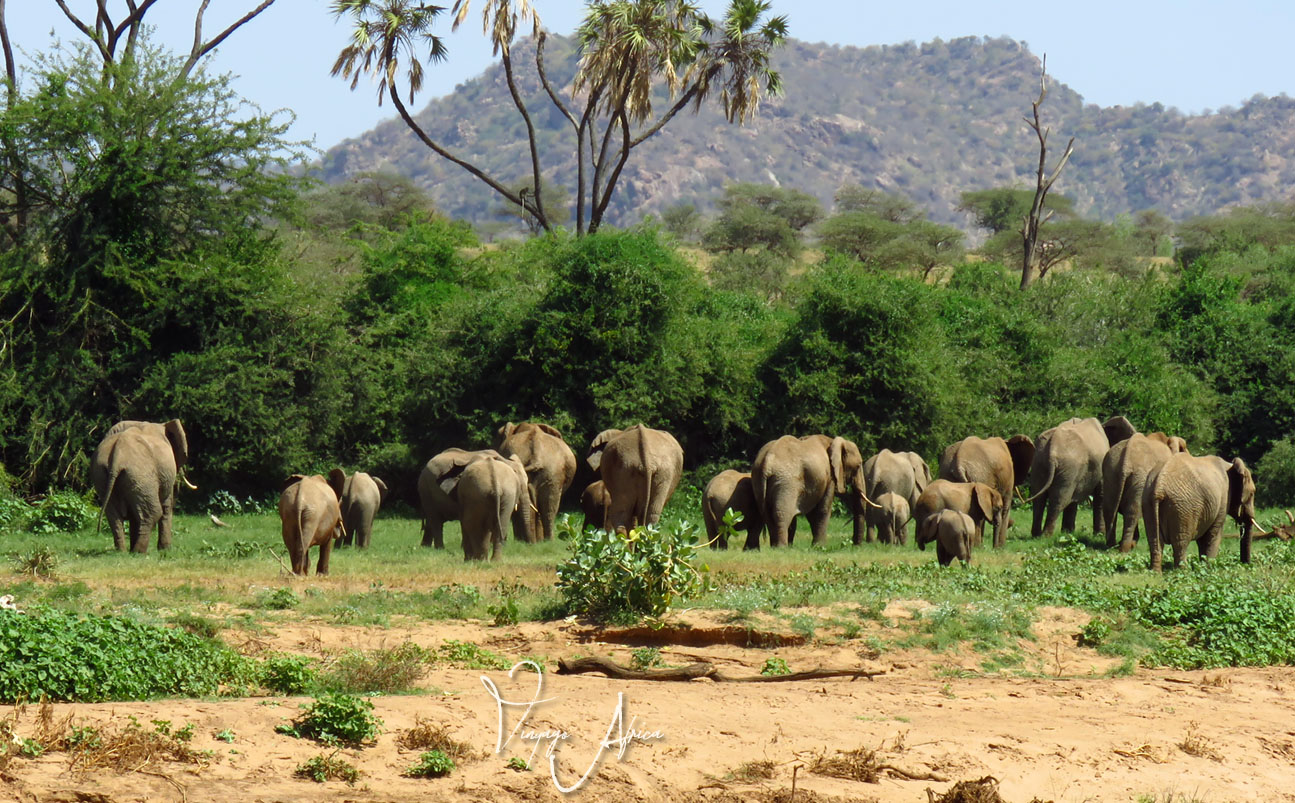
[595,502]
[361,495]
[731,489]
[892,519]
[311,516]
[952,531]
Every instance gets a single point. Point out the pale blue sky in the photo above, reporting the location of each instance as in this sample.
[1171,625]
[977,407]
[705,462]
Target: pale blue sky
[1192,54]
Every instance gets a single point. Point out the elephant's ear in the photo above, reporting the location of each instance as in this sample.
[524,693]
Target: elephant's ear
[337,481]
[597,445]
[982,502]
[921,471]
[1241,488]
[1118,428]
[291,481]
[926,530]
[835,459]
[382,489]
[503,432]
[550,430]
[1021,448]
[449,480]
[179,441]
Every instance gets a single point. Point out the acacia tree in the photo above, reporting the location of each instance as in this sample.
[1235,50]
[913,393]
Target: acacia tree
[628,48]
[1031,244]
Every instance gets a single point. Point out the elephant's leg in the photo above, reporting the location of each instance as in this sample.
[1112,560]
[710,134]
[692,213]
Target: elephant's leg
[140,530]
[1132,513]
[549,498]
[860,515]
[165,523]
[325,551]
[1099,524]
[1068,515]
[791,532]
[819,518]
[434,531]
[1001,523]
[364,534]
[1040,511]
[754,525]
[712,525]
[118,527]
[943,555]
[964,550]
[1208,544]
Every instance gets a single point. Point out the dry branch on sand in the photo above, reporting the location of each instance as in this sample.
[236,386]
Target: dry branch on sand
[863,764]
[701,669]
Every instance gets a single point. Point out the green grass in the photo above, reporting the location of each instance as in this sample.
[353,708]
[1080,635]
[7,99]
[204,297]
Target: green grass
[215,578]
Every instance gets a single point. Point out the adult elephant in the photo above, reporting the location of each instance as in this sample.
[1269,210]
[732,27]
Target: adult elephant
[1187,499]
[134,471]
[1066,470]
[1124,477]
[438,506]
[977,499]
[731,489]
[800,476]
[904,474]
[311,516]
[361,496]
[1000,464]
[640,468]
[550,467]
[486,492]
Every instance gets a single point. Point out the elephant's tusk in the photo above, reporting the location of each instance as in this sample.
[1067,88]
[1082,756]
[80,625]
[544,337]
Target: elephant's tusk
[1289,516]
[1020,495]
[184,477]
[1255,524]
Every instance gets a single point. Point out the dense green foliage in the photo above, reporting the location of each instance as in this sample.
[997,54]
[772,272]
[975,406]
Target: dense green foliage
[337,719]
[61,656]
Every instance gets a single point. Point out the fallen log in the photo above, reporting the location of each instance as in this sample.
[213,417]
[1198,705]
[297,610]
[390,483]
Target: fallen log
[701,669]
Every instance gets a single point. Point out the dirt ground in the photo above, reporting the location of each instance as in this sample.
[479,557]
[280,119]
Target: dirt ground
[1063,733]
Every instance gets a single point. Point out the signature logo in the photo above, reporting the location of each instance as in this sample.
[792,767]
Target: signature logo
[620,733]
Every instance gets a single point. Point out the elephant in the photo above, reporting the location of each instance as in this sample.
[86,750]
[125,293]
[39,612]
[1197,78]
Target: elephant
[978,500]
[594,502]
[731,489]
[953,533]
[640,467]
[134,471]
[311,515]
[1187,498]
[487,492]
[1124,477]
[550,467]
[361,496]
[1067,468]
[439,507]
[1000,464]
[892,517]
[800,476]
[904,474]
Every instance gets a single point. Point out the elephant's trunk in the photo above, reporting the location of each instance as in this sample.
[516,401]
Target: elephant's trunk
[1052,474]
[1247,538]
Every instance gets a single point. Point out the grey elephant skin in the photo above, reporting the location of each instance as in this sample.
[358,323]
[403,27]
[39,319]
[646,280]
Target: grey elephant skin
[487,491]
[978,500]
[595,502]
[361,495]
[439,505]
[550,467]
[800,476]
[952,532]
[1124,478]
[133,470]
[1000,464]
[311,515]
[1188,498]
[892,517]
[640,468]
[1067,469]
[731,489]
[904,474]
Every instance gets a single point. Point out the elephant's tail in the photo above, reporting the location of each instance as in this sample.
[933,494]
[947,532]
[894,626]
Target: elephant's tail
[1052,474]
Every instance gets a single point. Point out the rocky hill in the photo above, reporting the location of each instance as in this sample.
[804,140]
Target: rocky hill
[928,121]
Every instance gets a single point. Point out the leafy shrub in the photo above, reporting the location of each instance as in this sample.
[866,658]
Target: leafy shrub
[288,674]
[466,655]
[646,657]
[87,658]
[432,764]
[376,671]
[328,768]
[61,512]
[623,576]
[775,666]
[223,503]
[337,719]
[280,599]
[1275,475]
[14,512]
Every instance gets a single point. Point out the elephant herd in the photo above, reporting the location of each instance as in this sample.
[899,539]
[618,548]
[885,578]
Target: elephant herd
[1151,480]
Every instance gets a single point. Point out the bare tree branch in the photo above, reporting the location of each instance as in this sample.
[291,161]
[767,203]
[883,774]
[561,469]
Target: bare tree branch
[81,26]
[540,216]
[1035,218]
[200,50]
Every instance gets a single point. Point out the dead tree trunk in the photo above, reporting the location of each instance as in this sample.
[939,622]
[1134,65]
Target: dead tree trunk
[1035,219]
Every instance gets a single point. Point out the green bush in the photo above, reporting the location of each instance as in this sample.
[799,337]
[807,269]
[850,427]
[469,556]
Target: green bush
[620,577]
[14,513]
[289,674]
[337,719]
[431,764]
[1275,475]
[396,669]
[87,658]
[329,767]
[61,512]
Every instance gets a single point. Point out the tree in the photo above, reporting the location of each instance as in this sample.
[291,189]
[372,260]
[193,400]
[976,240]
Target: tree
[385,200]
[1002,208]
[553,209]
[888,244]
[761,216]
[628,49]
[682,220]
[1038,215]
[888,206]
